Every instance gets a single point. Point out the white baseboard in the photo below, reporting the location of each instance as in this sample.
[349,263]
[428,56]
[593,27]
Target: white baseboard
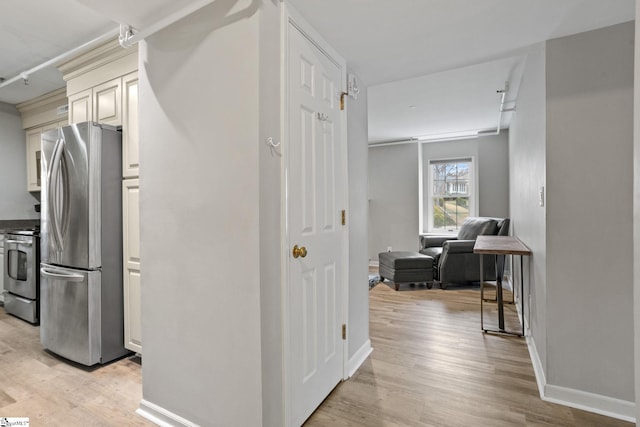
[358,359]
[603,405]
[538,369]
[591,402]
[161,416]
[374,264]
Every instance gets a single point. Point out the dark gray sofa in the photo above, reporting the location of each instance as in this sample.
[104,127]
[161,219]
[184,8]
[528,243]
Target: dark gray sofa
[453,257]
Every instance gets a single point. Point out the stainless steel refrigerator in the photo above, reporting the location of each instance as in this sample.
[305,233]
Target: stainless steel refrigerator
[81,243]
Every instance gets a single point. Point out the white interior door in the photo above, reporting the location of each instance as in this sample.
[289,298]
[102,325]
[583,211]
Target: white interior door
[316,184]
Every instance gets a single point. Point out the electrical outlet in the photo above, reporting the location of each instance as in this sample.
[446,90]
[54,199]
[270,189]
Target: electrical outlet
[389,249]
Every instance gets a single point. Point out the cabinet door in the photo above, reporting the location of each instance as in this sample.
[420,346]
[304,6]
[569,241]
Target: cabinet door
[33,159]
[131,251]
[107,106]
[130,160]
[80,107]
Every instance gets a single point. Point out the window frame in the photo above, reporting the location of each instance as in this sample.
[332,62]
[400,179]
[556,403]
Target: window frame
[425,166]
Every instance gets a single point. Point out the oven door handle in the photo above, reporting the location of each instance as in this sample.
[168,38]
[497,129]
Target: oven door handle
[69,277]
[19,242]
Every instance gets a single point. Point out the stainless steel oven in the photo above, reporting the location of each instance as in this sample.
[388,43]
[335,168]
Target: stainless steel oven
[22,274]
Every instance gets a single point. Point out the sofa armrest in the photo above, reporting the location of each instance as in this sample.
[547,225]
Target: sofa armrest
[458,246]
[434,241]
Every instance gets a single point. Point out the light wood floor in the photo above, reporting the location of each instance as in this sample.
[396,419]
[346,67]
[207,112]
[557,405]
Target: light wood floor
[51,392]
[432,366]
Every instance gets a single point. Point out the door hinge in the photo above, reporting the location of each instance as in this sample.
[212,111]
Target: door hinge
[344,331]
[342,95]
[344,217]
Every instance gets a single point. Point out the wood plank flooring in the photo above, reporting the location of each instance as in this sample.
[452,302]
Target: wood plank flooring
[432,366]
[51,392]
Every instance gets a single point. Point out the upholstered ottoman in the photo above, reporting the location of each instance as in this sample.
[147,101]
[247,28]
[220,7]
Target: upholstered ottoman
[406,267]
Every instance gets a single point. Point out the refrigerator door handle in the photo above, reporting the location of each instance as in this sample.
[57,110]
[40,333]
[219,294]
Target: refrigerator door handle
[69,277]
[52,196]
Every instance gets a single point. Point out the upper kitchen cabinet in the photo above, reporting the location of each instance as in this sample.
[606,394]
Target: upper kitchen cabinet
[80,106]
[95,82]
[102,86]
[100,104]
[39,115]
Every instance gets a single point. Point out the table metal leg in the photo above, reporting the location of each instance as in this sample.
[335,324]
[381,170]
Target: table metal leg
[481,294]
[522,292]
[499,273]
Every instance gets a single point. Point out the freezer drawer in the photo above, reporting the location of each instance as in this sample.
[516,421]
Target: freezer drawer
[23,308]
[70,313]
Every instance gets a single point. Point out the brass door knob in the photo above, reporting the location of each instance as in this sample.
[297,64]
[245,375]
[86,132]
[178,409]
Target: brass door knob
[299,251]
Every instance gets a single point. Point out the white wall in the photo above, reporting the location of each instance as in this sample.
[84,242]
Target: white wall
[199,215]
[589,210]
[15,200]
[357,136]
[527,174]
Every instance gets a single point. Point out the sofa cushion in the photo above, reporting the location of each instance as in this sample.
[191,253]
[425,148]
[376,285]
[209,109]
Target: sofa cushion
[503,226]
[472,227]
[433,252]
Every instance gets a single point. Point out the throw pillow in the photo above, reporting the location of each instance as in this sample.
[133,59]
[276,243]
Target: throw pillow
[472,227]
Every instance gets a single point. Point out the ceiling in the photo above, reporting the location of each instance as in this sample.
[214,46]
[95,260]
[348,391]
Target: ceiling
[432,67]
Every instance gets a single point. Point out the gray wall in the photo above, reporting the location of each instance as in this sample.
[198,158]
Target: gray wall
[212,309]
[270,229]
[393,186]
[393,198]
[491,154]
[589,183]
[357,136]
[527,174]
[199,216]
[493,185]
[15,200]
[636,211]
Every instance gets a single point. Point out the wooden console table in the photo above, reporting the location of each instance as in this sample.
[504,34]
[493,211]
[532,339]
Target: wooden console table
[500,246]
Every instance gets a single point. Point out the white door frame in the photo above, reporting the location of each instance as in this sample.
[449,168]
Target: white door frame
[291,17]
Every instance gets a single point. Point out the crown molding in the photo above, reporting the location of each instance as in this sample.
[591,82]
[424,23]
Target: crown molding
[95,58]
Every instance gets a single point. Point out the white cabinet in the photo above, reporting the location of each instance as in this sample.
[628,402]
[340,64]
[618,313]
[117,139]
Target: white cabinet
[40,115]
[130,159]
[101,104]
[33,159]
[80,106]
[130,214]
[33,149]
[107,102]
[131,250]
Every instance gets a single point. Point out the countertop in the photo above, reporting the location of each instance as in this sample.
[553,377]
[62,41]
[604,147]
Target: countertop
[17,224]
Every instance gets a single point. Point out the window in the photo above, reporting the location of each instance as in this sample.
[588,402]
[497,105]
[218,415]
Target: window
[450,194]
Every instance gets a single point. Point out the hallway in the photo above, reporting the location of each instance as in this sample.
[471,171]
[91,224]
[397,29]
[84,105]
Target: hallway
[432,366]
